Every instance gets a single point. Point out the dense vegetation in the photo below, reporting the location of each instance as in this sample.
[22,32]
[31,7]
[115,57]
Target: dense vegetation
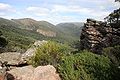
[50,53]
[113,53]
[87,66]
[79,66]
[18,39]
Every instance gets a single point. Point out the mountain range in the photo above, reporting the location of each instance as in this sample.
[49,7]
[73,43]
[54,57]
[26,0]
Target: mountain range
[21,33]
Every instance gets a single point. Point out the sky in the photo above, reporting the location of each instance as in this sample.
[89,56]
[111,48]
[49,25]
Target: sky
[57,11]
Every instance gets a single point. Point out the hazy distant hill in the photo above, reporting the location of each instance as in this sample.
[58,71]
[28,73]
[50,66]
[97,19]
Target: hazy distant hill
[70,30]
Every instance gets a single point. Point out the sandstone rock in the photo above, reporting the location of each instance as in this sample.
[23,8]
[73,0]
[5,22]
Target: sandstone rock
[12,58]
[45,73]
[39,43]
[16,59]
[97,35]
[21,73]
[29,73]
[47,33]
[31,51]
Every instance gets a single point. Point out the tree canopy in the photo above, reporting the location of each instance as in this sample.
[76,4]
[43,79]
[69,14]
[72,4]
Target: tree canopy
[117,0]
[113,17]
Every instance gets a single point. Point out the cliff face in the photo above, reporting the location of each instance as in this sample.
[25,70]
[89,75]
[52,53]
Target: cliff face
[47,33]
[97,35]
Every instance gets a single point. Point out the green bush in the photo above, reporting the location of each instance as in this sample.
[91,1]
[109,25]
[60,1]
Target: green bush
[3,42]
[113,53]
[49,53]
[68,69]
[87,66]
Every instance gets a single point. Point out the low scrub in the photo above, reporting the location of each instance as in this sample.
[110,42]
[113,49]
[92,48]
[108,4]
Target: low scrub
[50,53]
[113,53]
[87,66]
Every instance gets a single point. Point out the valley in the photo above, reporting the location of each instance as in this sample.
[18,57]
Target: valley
[21,33]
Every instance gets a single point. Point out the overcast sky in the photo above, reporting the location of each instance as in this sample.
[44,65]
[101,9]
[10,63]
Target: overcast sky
[57,11]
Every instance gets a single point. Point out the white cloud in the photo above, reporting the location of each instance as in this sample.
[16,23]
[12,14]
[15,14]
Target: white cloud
[107,3]
[6,7]
[55,19]
[39,11]
[62,13]
[91,12]
[74,9]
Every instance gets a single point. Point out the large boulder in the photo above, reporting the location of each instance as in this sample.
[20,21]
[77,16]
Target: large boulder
[18,59]
[29,73]
[13,58]
[45,73]
[21,73]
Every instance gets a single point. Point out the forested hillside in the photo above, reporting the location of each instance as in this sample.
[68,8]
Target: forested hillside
[21,33]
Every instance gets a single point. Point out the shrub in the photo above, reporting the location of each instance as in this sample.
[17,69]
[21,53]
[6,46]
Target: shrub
[49,53]
[113,53]
[3,42]
[86,66]
[69,71]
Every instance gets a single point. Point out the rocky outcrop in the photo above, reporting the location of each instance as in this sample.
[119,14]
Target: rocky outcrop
[46,33]
[29,73]
[31,51]
[13,58]
[96,35]
[18,59]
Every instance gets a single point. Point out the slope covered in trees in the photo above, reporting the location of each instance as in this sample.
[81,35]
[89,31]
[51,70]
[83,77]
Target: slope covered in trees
[20,33]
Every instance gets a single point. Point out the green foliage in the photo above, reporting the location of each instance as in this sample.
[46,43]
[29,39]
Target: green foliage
[86,66]
[114,17]
[49,53]
[113,53]
[0,33]
[67,69]
[3,42]
[117,0]
[19,39]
